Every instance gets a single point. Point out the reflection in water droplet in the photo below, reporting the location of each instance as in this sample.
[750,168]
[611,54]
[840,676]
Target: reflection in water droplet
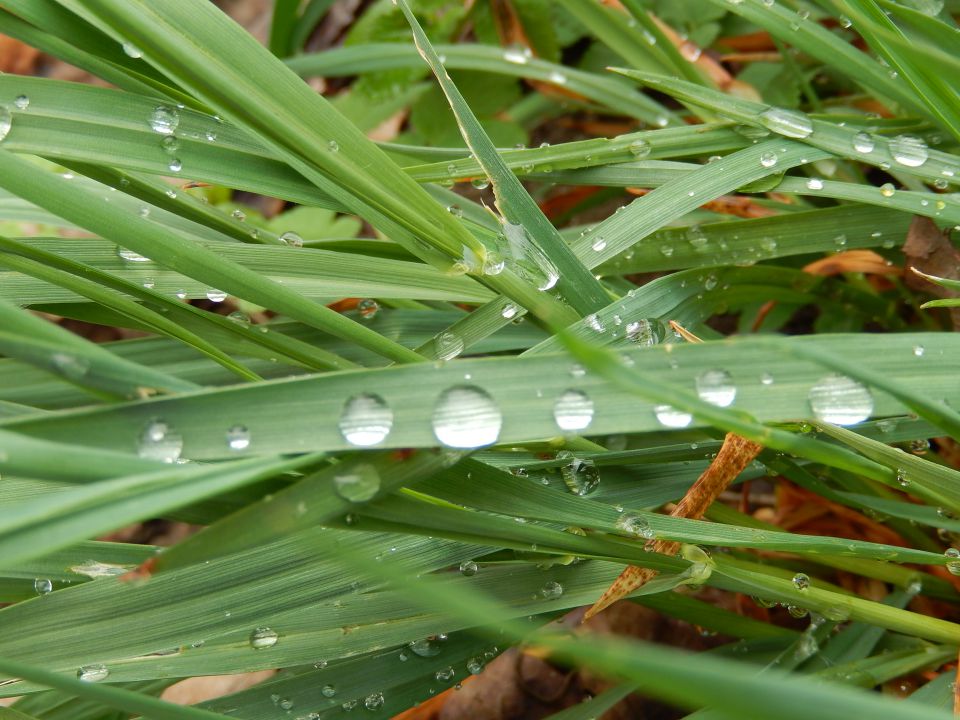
[93,673]
[789,123]
[640,148]
[887,190]
[164,119]
[863,142]
[468,568]
[42,586]
[716,387]
[291,239]
[551,589]
[633,524]
[840,400]
[581,476]
[357,483]
[909,150]
[448,345]
[263,637]
[645,332]
[466,417]
[368,308]
[801,581]
[573,410]
[160,441]
[517,54]
[366,420]
[527,259]
[238,437]
[670,417]
[768,159]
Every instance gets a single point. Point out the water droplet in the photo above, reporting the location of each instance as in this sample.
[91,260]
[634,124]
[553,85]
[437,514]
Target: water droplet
[366,420]
[130,255]
[93,673]
[887,190]
[358,483]
[840,400]
[373,701]
[636,525]
[131,50]
[903,479]
[164,119]
[263,637]
[599,244]
[573,411]
[42,586]
[639,148]
[645,332]
[716,387]
[581,476]
[455,210]
[175,165]
[238,214]
[368,308]
[480,183]
[666,250]
[670,417]
[517,54]
[448,345]
[814,184]
[908,150]
[160,441]
[291,239]
[21,102]
[468,568]
[170,144]
[172,194]
[239,318]
[768,159]
[528,260]
[466,417]
[475,666]
[788,123]
[509,311]
[801,581]
[551,590]
[557,78]
[918,350]
[863,142]
[797,611]
[766,379]
[427,647]
[144,212]
[328,691]
[238,437]
[216,295]
[593,322]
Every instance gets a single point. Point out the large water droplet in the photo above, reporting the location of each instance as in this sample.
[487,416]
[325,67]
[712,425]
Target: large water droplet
[263,637]
[42,586]
[640,148]
[551,590]
[427,647]
[840,400]
[238,437]
[217,296]
[466,417]
[368,308]
[160,441]
[328,691]
[789,123]
[670,417]
[292,239]
[716,387]
[801,581]
[164,119]
[581,476]
[645,332]
[768,159]
[358,483]
[633,524]
[527,260]
[93,673]
[909,150]
[863,142]
[448,345]
[573,411]
[468,568]
[366,420]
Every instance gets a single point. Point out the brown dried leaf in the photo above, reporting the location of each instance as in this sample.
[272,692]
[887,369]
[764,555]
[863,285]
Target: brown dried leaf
[930,251]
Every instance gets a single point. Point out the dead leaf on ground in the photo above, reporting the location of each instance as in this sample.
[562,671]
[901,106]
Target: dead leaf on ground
[862,261]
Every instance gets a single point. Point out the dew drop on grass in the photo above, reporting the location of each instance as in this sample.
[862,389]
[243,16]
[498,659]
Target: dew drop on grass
[358,483]
[263,637]
[573,410]
[551,589]
[468,568]
[768,159]
[557,78]
[130,255]
[670,417]
[368,308]
[216,296]
[374,701]
[21,102]
[445,674]
[238,437]
[581,476]
[863,142]
[645,332]
[480,183]
[640,148]
[716,387]
[328,691]
[814,184]
[766,379]
[427,647]
[475,666]
[527,260]
[131,50]
[635,525]
[164,119]
[42,586]
[160,441]
[918,350]
[465,416]
[291,239]
[93,673]
[517,54]
[840,400]
[953,562]
[909,150]
[801,581]
[599,244]
[887,190]
[788,123]
[509,311]
[448,345]
[366,420]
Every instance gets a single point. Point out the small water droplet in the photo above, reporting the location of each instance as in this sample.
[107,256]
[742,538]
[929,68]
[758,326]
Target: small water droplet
[480,183]
[291,239]
[366,420]
[21,102]
[448,345]
[465,416]
[801,581]
[517,54]
[216,296]
[581,476]
[635,525]
[238,437]
[716,387]
[551,590]
[6,121]
[670,417]
[639,148]
[557,78]
[573,411]
[599,244]
[645,332]
[430,646]
[333,145]
[527,259]
[175,165]
[368,308]
[814,184]
[358,483]
[766,379]
[131,50]
[468,568]
[788,123]
[475,666]
[455,210]
[130,255]
[42,586]
[328,691]
[373,701]
[863,142]
[909,150]
[918,350]
[239,318]
[445,674]
[93,673]
[263,637]
[903,479]
[768,159]
[509,311]
[164,119]
[840,400]
[160,441]
[887,190]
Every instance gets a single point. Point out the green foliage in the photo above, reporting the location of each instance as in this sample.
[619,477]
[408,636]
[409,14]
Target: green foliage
[396,488]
